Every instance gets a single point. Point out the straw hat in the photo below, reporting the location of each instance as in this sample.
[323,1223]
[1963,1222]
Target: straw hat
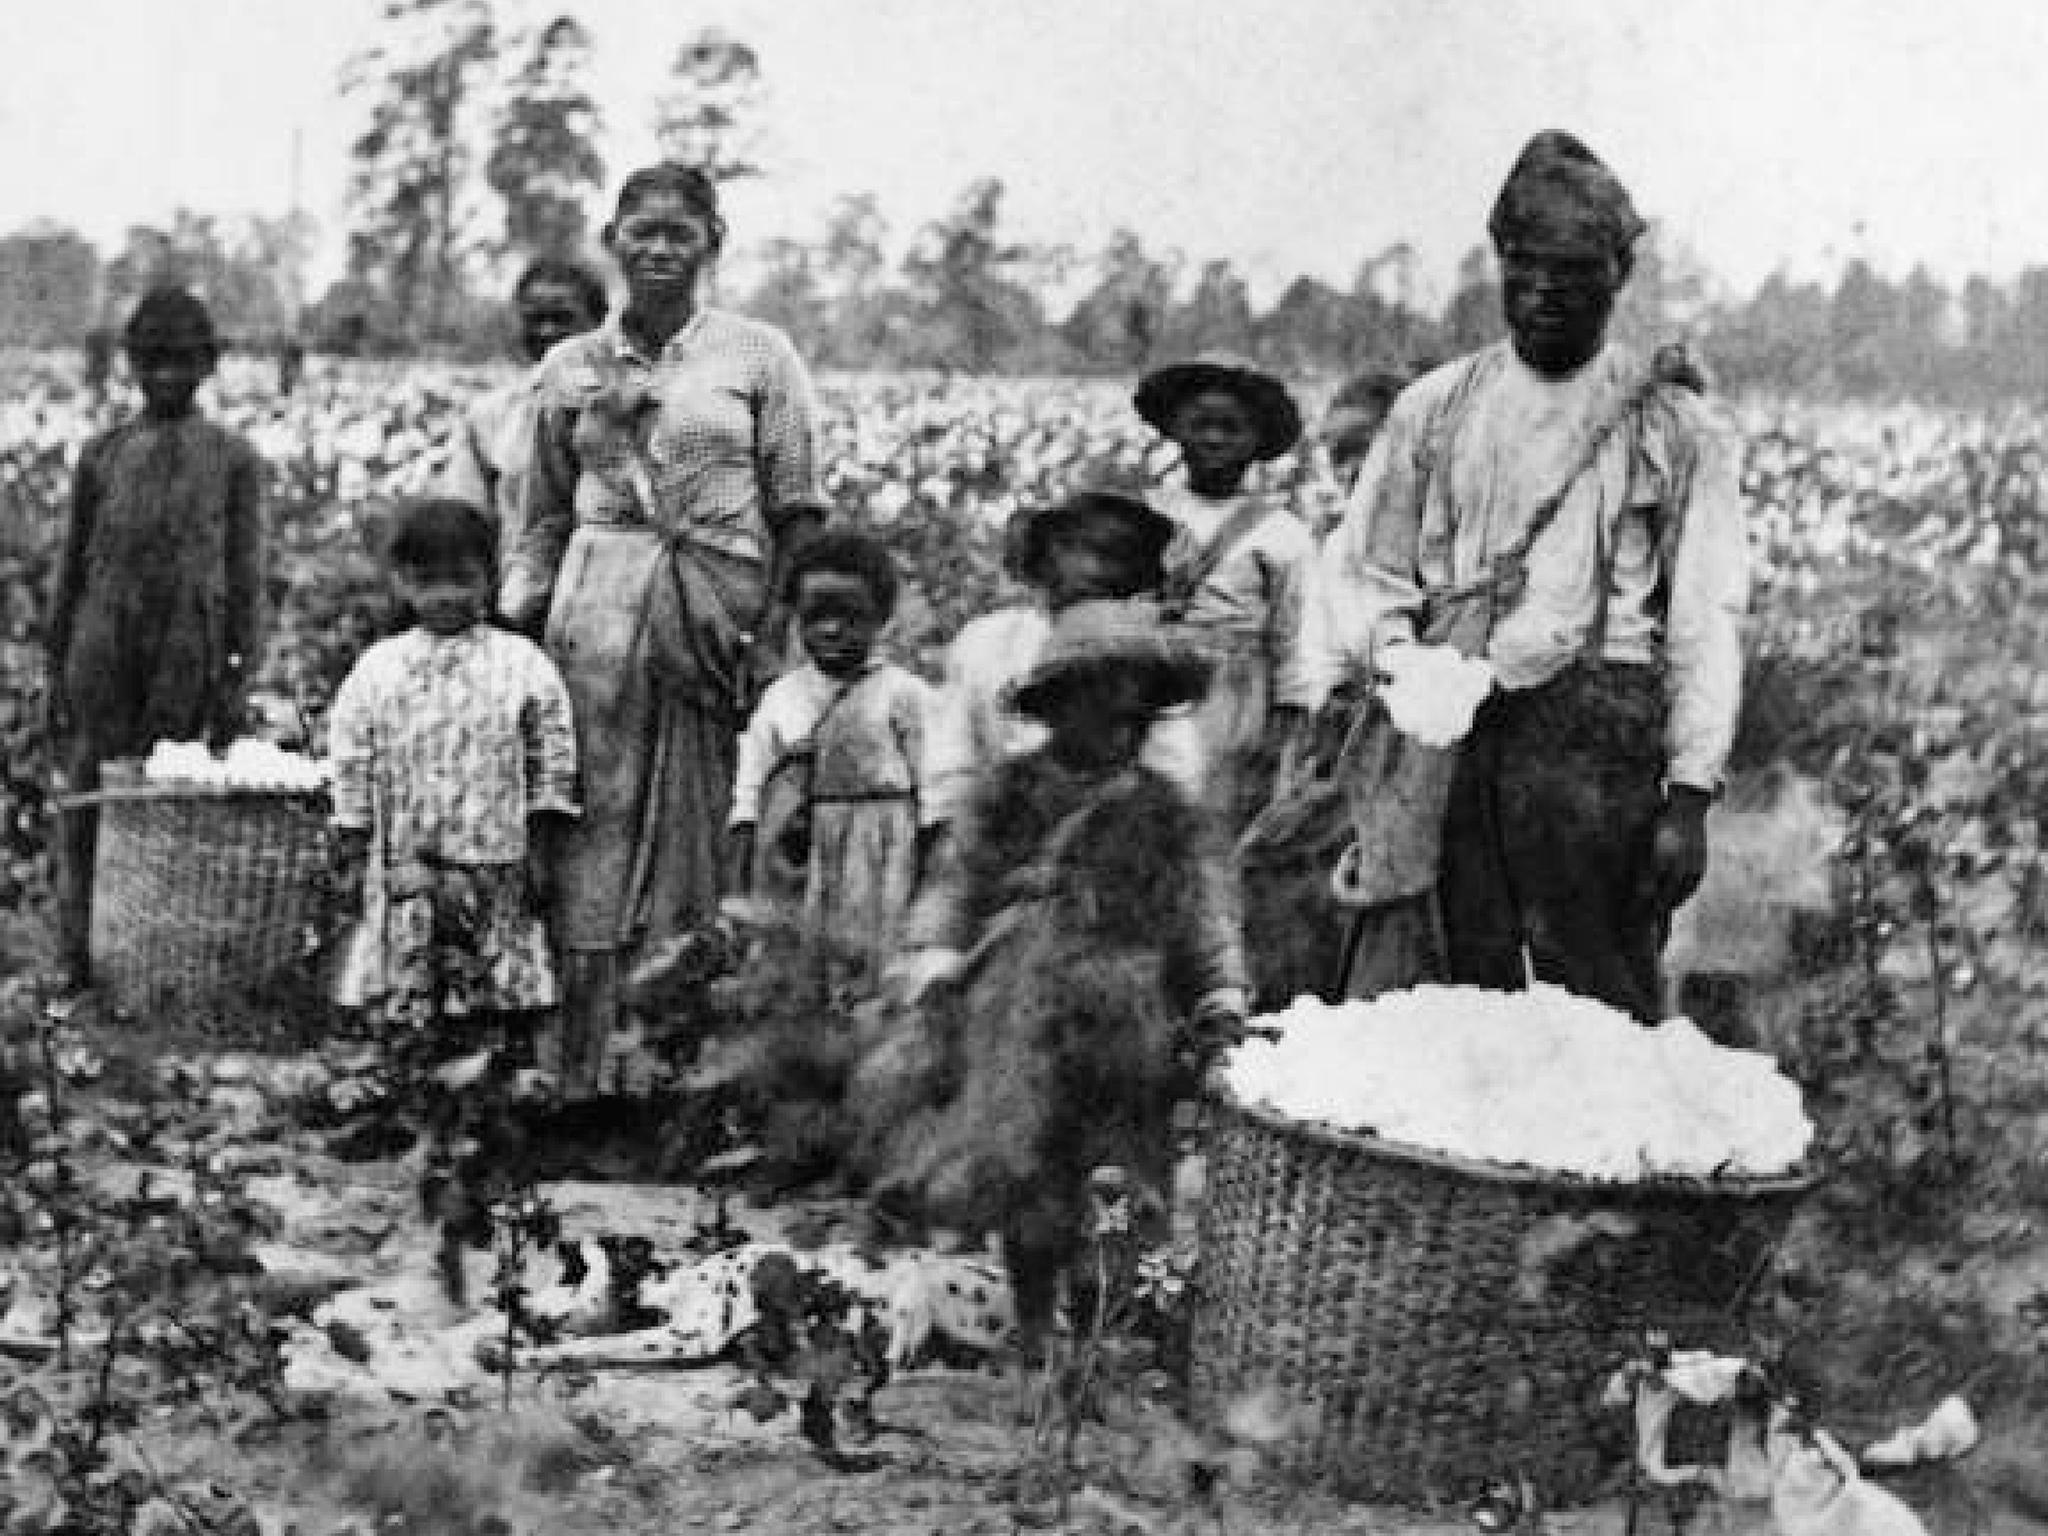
[1125,632]
[1163,391]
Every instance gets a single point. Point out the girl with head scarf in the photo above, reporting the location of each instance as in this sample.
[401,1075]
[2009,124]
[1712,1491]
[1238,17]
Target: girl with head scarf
[673,462]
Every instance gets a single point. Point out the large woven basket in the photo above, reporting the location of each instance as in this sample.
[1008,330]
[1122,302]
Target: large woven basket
[1425,1325]
[202,895]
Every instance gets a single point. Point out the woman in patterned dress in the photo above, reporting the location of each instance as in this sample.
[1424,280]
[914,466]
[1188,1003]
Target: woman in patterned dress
[673,459]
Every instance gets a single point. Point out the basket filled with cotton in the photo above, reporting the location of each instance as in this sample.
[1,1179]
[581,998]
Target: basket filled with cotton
[1436,1221]
[208,872]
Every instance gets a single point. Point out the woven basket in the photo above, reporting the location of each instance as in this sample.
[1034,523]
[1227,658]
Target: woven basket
[1426,1324]
[202,895]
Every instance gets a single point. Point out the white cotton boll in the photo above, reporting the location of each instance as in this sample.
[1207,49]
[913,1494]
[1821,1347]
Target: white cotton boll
[249,763]
[1540,1078]
[1433,691]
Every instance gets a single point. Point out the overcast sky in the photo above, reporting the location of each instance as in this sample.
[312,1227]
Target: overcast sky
[1288,135]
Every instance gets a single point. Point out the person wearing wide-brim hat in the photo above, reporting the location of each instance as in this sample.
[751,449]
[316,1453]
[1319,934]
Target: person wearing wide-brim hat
[1078,939]
[1101,540]
[1237,574]
[1274,415]
[1093,643]
[1585,507]
[1116,523]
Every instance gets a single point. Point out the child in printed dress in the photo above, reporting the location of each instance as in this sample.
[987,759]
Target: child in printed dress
[154,620]
[454,775]
[826,803]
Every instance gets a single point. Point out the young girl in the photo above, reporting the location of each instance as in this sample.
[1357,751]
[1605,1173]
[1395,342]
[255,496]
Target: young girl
[153,624]
[832,758]
[454,773]
[1237,574]
[1078,925]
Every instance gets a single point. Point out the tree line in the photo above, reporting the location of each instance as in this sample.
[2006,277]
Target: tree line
[480,148]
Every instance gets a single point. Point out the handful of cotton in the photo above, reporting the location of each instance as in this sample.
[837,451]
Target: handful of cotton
[249,763]
[1433,691]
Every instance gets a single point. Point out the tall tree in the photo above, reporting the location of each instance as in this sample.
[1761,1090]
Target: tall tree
[248,270]
[1215,317]
[1120,321]
[968,278]
[411,193]
[1473,318]
[854,257]
[544,160]
[787,294]
[49,280]
[710,116]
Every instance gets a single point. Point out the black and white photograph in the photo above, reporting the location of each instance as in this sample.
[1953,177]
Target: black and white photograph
[955,767]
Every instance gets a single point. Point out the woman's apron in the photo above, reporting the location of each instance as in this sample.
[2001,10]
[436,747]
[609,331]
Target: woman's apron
[641,631]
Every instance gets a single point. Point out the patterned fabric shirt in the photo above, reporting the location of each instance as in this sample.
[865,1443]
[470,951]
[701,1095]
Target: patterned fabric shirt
[1450,481]
[717,433]
[973,726]
[1256,595]
[444,745]
[882,717]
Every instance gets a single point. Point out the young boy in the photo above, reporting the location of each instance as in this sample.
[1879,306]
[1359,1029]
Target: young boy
[1237,573]
[1080,937]
[1102,541]
[153,623]
[554,300]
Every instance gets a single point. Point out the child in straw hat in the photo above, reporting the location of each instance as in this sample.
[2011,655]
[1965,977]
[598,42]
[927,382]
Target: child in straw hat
[1237,571]
[1075,934]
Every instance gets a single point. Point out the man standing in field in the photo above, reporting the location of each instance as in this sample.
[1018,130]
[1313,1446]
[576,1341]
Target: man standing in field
[554,300]
[1589,507]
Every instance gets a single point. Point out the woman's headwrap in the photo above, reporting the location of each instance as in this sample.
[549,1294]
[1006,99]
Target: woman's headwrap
[1559,196]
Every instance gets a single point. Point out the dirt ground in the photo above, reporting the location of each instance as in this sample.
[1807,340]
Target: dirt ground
[407,1432]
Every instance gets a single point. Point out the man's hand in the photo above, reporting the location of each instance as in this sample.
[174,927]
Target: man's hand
[1218,1023]
[1678,849]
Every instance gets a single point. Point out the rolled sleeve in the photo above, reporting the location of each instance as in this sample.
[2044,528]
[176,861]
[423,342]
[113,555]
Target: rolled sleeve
[1290,577]
[759,747]
[1709,600]
[352,754]
[785,434]
[952,754]
[546,493]
[1366,590]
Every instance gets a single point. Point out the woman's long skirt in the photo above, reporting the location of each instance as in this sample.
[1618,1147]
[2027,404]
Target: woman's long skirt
[645,862]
